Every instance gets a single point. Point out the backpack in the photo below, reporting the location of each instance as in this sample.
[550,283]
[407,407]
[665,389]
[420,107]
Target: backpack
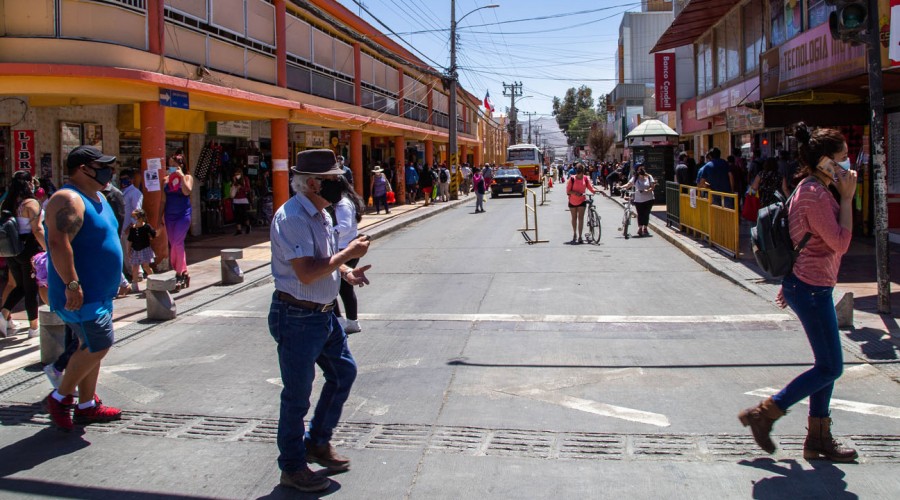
[10,243]
[444,177]
[770,239]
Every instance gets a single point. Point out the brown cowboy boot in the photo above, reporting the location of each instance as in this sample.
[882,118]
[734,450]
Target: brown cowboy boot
[326,456]
[820,443]
[760,420]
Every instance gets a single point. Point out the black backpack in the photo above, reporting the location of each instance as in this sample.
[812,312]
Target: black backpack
[10,243]
[444,177]
[770,239]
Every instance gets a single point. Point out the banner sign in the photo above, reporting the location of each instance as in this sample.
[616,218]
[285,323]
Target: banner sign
[25,158]
[665,81]
[742,93]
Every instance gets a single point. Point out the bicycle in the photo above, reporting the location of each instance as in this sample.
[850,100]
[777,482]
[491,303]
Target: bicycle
[628,213]
[593,222]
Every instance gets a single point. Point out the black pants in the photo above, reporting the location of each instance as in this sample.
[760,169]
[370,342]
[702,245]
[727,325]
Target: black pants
[348,295]
[643,212]
[22,271]
[241,214]
[380,201]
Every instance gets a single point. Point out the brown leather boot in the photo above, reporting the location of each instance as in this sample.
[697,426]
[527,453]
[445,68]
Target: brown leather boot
[305,480]
[326,456]
[760,420]
[820,443]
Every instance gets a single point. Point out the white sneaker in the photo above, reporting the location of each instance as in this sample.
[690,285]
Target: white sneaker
[5,327]
[352,326]
[12,326]
[32,333]
[53,375]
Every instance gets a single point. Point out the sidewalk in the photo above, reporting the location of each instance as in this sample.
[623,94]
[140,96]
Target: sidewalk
[203,264]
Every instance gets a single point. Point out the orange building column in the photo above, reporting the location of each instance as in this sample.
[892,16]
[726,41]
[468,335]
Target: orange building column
[429,152]
[280,192]
[400,160]
[153,150]
[156,38]
[356,159]
[463,153]
[479,154]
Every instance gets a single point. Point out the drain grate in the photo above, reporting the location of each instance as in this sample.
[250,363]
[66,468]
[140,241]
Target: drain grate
[473,441]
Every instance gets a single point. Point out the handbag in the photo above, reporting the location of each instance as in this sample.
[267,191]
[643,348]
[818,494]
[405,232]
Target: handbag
[390,197]
[751,207]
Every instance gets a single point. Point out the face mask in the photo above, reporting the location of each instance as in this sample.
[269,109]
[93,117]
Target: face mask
[103,175]
[844,164]
[237,177]
[172,170]
[331,190]
[124,183]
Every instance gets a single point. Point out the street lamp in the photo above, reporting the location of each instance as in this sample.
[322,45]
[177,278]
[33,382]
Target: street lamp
[454,148]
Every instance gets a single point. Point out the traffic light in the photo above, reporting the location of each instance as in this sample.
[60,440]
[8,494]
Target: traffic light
[849,20]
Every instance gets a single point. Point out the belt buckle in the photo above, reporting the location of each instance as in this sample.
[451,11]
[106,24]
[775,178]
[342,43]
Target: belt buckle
[327,307]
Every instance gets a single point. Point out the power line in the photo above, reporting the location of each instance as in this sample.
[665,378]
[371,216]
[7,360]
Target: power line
[385,26]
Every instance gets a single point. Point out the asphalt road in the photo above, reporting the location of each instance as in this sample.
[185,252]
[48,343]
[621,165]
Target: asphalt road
[488,368]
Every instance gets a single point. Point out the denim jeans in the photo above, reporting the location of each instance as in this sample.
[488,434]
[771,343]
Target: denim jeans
[307,338]
[814,306]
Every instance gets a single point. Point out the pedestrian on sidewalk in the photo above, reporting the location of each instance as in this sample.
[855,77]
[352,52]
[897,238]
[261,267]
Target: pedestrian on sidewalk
[348,213]
[426,183]
[480,188]
[20,201]
[240,201]
[379,188]
[129,182]
[643,185]
[84,272]
[575,189]
[308,268]
[139,235]
[444,183]
[412,182]
[767,182]
[178,185]
[814,212]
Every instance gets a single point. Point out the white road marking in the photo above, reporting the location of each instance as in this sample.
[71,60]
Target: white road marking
[403,363]
[129,388]
[841,404]
[546,318]
[553,318]
[164,363]
[276,381]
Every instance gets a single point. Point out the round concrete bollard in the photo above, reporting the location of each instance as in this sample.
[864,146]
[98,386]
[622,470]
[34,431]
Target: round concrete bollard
[160,305]
[52,335]
[231,270]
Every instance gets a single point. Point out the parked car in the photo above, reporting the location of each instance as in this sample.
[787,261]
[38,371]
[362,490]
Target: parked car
[508,181]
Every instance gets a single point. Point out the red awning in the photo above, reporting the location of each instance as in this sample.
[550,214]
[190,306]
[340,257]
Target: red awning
[694,20]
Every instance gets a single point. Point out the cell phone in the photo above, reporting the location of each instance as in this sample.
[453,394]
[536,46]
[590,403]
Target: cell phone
[365,237]
[827,166]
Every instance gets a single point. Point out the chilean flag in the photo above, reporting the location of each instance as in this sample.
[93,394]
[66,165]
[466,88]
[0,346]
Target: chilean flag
[487,102]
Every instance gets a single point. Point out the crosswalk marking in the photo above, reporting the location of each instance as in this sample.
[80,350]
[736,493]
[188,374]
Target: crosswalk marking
[841,404]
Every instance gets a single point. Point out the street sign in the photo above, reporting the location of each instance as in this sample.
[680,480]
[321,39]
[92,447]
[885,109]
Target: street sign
[174,99]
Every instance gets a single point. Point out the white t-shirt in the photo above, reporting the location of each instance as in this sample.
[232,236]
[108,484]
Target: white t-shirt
[345,213]
[642,185]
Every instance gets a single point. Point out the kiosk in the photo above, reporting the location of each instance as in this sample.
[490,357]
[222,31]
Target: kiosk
[653,144]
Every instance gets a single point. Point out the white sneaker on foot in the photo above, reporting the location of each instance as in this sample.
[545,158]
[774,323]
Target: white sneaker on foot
[352,326]
[32,333]
[5,328]
[53,375]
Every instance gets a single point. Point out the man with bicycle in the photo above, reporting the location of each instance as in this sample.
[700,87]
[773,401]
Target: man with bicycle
[575,189]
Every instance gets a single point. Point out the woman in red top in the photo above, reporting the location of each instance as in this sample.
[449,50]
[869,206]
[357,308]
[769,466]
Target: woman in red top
[808,288]
[575,188]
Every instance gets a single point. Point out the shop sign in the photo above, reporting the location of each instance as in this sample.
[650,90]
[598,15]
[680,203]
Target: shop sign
[25,158]
[174,99]
[316,138]
[240,128]
[810,60]
[345,136]
[665,81]
[746,91]
[742,118]
[298,136]
[689,121]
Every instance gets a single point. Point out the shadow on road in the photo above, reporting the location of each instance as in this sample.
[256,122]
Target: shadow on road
[60,490]
[283,493]
[42,446]
[464,362]
[793,481]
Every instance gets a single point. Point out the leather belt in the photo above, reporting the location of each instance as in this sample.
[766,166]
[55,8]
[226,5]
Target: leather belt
[305,304]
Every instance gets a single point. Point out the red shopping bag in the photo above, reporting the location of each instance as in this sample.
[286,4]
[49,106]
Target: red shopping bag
[391,198]
[751,207]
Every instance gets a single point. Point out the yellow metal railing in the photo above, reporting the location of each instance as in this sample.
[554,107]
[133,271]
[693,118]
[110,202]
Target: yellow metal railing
[711,215]
[531,212]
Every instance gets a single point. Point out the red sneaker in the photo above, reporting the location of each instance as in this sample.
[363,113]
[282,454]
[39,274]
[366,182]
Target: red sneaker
[60,412]
[97,414]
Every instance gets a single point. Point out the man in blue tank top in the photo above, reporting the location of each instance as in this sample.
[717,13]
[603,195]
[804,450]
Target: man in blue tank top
[83,275]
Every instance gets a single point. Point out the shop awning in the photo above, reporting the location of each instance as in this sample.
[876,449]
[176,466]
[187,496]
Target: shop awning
[694,19]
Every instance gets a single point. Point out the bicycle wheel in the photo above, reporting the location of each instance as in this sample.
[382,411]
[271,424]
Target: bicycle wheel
[625,221]
[593,224]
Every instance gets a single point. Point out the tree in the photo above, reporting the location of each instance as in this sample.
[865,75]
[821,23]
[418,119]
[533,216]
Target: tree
[580,127]
[567,109]
[600,140]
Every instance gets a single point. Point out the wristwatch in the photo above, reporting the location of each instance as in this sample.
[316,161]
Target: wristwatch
[73,285]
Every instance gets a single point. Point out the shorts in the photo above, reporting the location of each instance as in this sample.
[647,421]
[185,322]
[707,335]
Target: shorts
[576,206]
[427,191]
[139,257]
[39,263]
[94,335]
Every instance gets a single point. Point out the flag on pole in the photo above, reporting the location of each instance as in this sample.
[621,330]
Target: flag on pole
[487,102]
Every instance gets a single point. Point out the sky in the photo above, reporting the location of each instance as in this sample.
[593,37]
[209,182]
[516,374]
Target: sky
[547,55]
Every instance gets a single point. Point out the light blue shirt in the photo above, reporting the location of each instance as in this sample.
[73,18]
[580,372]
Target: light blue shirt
[345,213]
[299,230]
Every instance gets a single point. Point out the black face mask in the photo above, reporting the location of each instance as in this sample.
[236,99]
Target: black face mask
[103,175]
[331,190]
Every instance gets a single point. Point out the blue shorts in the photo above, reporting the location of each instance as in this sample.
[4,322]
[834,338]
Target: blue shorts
[94,335]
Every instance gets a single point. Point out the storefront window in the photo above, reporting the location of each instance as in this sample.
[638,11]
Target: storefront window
[704,65]
[753,33]
[776,8]
[728,47]
[819,11]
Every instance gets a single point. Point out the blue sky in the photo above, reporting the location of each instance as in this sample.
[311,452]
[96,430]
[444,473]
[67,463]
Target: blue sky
[548,55]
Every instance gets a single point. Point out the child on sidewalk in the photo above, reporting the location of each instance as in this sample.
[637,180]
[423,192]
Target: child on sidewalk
[142,255]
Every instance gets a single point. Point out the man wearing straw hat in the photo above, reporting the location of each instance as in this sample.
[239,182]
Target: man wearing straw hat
[308,269]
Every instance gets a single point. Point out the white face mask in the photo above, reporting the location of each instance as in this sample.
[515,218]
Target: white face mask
[844,164]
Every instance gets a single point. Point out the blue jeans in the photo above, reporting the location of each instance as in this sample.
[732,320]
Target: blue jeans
[814,306]
[307,338]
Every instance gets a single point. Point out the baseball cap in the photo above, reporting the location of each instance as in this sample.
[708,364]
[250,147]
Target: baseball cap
[85,155]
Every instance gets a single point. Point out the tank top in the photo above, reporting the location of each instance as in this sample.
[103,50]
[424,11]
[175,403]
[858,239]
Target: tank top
[24,223]
[177,203]
[98,262]
[380,188]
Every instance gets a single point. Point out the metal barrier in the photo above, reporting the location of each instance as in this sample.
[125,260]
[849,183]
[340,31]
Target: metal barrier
[533,210]
[672,204]
[709,215]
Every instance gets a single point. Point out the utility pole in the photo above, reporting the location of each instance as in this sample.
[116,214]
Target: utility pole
[529,115]
[512,91]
